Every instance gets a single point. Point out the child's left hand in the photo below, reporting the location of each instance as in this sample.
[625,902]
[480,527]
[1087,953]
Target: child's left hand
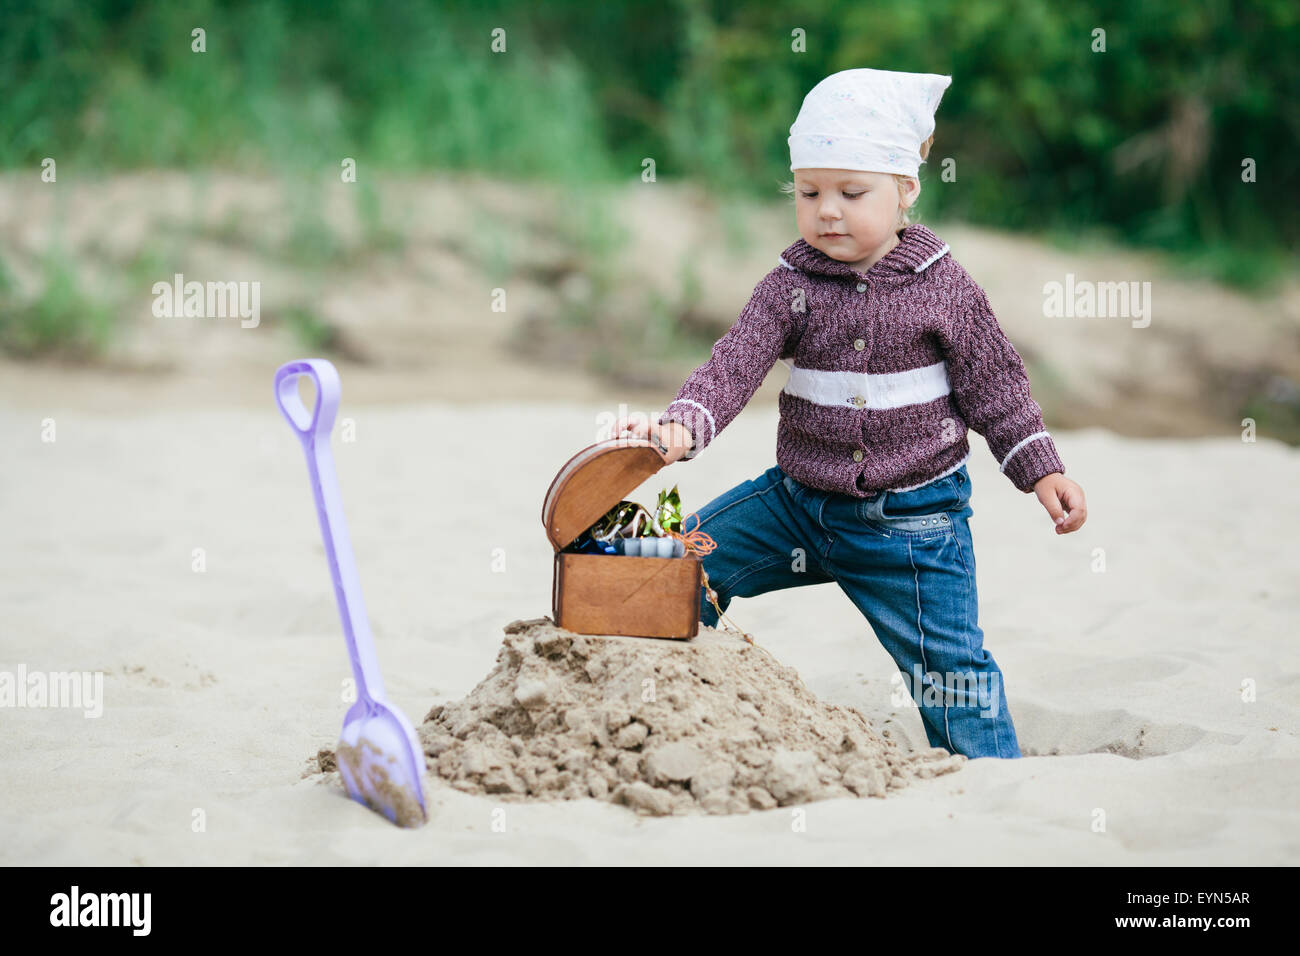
[1057,492]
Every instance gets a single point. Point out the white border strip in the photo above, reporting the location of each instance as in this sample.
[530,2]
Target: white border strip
[943,474]
[713,428]
[891,390]
[1019,445]
[921,268]
[933,259]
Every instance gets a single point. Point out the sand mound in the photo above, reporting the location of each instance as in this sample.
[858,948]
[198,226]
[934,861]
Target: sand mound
[659,726]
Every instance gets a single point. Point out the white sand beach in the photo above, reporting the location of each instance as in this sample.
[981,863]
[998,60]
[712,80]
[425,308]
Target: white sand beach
[1126,684]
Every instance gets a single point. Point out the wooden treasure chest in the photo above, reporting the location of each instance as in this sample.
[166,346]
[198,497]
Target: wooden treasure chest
[615,593]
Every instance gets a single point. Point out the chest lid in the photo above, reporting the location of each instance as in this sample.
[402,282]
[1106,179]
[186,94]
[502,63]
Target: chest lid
[593,481]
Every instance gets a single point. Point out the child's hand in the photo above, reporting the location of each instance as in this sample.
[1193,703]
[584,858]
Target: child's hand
[674,434]
[1055,491]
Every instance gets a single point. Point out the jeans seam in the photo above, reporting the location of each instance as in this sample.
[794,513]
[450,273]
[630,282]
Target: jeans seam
[925,664]
[764,562]
[970,653]
[728,508]
[830,538]
[743,572]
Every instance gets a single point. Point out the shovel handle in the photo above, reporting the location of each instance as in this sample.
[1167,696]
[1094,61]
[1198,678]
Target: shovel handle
[320,420]
[313,430]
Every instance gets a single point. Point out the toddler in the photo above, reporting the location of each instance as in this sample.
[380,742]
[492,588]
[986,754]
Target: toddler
[893,353]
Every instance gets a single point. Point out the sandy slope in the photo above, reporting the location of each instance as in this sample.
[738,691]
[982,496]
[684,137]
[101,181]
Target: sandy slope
[1126,683]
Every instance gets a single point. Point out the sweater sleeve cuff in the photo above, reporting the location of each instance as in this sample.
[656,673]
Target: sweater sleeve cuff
[1032,459]
[697,419]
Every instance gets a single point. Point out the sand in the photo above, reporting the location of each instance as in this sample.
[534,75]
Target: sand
[1126,684]
[659,726]
[167,541]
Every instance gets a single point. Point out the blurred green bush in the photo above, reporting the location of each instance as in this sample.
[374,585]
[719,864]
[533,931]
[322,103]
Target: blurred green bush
[1144,141]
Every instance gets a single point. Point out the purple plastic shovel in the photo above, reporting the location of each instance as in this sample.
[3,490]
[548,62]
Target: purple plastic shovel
[379,757]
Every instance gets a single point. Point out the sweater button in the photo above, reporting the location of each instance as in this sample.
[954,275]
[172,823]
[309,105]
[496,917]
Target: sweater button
[859,401]
[862,287]
[857,455]
[859,344]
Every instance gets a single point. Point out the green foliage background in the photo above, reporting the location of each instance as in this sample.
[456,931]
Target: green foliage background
[1037,123]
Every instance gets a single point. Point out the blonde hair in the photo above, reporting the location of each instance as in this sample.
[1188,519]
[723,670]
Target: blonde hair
[904,213]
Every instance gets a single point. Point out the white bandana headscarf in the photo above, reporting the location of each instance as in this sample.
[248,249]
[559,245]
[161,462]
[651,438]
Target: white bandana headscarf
[872,120]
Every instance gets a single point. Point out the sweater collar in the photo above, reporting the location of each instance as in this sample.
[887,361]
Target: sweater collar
[918,248]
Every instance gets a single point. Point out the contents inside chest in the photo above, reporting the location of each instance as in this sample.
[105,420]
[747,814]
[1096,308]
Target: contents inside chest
[633,530]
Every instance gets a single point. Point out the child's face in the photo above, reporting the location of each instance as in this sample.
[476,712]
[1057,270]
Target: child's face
[860,208]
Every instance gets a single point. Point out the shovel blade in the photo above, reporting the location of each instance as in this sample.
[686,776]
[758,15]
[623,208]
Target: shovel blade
[382,766]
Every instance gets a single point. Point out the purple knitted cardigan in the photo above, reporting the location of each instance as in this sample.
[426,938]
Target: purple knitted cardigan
[889,368]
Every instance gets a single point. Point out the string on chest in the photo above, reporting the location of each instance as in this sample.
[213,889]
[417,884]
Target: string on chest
[697,542]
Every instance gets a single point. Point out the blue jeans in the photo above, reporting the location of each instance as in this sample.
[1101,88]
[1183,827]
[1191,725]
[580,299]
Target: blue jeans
[905,559]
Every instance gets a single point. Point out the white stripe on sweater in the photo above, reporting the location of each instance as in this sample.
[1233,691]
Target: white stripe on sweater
[933,259]
[1019,445]
[891,390]
[713,428]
